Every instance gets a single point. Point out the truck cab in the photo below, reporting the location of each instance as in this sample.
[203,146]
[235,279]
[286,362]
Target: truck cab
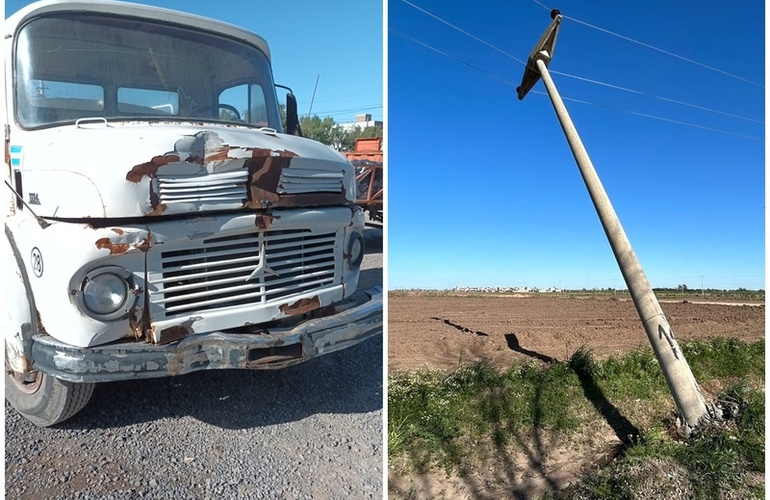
[158,219]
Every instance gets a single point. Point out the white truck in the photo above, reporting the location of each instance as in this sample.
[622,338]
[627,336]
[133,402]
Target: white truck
[158,219]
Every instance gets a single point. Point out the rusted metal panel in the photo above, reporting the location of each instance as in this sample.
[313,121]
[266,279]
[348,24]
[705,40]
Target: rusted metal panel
[150,168]
[301,306]
[204,156]
[124,241]
[125,360]
[175,168]
[264,221]
[231,270]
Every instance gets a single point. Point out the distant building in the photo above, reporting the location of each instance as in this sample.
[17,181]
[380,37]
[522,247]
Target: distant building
[362,121]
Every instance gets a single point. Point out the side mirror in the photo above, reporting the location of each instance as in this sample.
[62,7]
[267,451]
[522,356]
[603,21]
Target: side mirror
[292,117]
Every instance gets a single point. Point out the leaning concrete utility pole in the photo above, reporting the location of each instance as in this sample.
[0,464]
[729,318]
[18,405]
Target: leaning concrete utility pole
[687,395]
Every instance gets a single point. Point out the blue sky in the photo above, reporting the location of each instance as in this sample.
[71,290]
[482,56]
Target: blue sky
[483,189]
[338,42]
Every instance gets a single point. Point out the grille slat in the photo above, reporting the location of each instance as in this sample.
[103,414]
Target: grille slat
[307,180]
[218,187]
[215,274]
[189,272]
[204,265]
[215,285]
[177,194]
[196,305]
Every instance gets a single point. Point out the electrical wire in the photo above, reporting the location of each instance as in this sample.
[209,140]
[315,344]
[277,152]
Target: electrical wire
[652,47]
[338,112]
[667,99]
[654,117]
[434,49]
[463,31]
[581,101]
[588,80]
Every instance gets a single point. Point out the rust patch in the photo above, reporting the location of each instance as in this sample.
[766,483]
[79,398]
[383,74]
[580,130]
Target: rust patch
[144,245]
[264,221]
[150,168]
[40,327]
[158,210]
[26,364]
[114,248]
[219,154]
[121,248]
[264,169]
[170,334]
[301,306]
[117,230]
[135,323]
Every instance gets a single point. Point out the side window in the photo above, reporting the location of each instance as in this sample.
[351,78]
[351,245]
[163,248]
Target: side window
[258,108]
[147,102]
[244,103]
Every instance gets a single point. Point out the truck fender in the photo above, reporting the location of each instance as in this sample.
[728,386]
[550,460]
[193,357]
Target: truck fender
[20,321]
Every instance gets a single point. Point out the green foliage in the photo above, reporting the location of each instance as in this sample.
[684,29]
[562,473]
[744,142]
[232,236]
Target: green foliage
[348,142]
[323,130]
[636,375]
[725,358]
[452,419]
[434,411]
[327,131]
[716,463]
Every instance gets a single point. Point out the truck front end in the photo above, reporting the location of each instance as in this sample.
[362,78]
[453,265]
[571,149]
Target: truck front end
[159,221]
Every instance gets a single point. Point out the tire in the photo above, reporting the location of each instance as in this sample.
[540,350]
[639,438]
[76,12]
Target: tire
[45,400]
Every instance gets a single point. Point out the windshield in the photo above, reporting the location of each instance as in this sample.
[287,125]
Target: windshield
[79,65]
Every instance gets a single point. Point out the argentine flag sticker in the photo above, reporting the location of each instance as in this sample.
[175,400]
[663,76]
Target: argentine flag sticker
[15,156]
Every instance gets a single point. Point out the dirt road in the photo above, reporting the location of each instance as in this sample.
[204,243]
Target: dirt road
[448,330]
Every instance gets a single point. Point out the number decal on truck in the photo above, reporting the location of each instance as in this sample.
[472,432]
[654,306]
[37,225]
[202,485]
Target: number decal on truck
[37,262]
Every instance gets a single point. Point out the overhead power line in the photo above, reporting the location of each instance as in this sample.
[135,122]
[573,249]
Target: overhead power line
[581,101]
[654,117]
[588,80]
[667,99]
[348,110]
[463,31]
[464,63]
[658,49]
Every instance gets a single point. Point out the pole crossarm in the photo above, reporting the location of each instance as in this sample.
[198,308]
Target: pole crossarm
[543,51]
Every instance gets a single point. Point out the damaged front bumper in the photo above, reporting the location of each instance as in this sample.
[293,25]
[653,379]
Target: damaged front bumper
[349,322]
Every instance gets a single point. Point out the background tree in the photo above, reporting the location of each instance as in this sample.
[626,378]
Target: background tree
[323,130]
[329,132]
[349,140]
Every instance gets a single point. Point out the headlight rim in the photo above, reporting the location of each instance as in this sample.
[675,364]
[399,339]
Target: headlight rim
[354,261]
[126,305]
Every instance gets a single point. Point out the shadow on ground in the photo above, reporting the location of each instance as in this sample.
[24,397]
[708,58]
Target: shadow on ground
[527,469]
[349,381]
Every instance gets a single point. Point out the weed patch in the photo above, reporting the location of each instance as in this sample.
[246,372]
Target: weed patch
[455,420]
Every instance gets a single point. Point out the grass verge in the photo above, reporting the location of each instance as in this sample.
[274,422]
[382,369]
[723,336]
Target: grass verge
[456,421]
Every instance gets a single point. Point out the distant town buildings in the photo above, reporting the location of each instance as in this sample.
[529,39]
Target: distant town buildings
[362,121]
[505,289]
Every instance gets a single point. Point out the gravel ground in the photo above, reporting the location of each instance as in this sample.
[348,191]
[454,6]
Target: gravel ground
[309,431]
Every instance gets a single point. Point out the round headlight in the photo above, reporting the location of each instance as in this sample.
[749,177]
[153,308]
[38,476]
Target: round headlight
[355,250]
[105,294]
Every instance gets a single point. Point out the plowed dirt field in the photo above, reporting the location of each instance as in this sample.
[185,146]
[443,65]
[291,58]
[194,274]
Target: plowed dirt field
[447,330]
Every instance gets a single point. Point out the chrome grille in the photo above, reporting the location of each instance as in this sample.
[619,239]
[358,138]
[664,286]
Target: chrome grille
[306,180]
[224,187]
[257,267]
